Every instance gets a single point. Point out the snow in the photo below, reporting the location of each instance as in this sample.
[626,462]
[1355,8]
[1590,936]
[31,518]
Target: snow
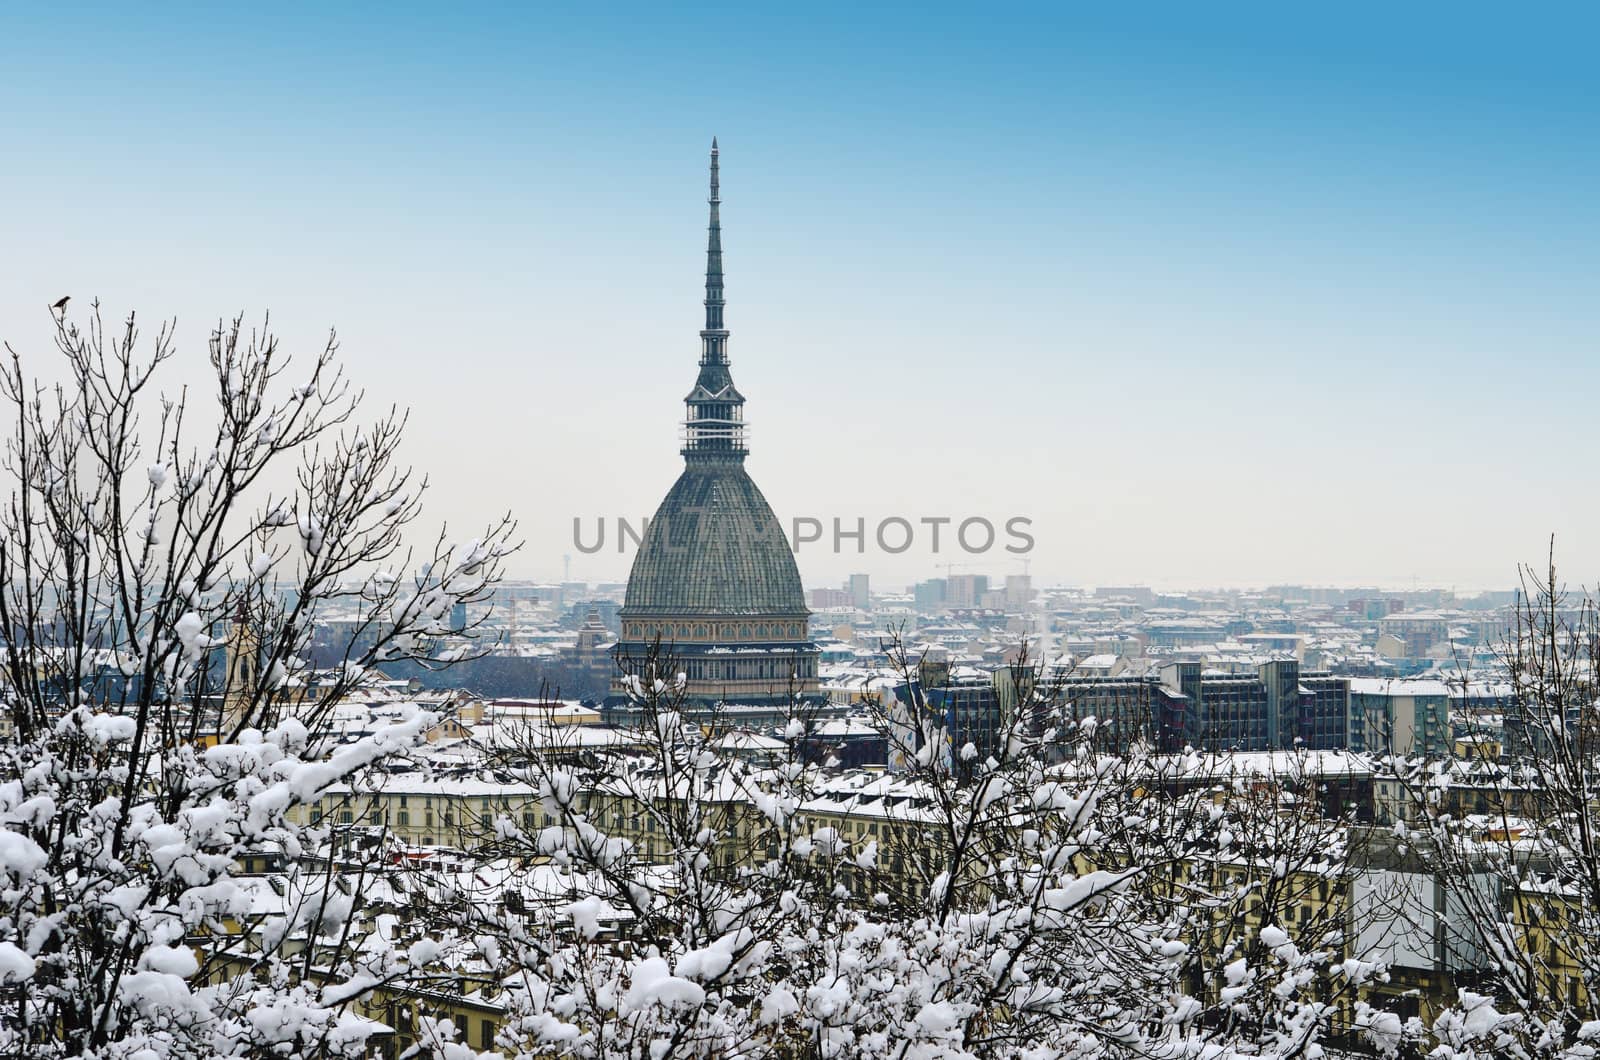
[778,1004]
[189,630]
[1385,1030]
[20,856]
[937,1017]
[706,963]
[153,993]
[170,960]
[587,913]
[15,965]
[652,984]
[260,565]
[424,952]
[311,534]
[1481,1018]
[108,728]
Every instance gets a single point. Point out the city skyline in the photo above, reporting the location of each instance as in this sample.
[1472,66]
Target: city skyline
[1259,299]
[1109,616]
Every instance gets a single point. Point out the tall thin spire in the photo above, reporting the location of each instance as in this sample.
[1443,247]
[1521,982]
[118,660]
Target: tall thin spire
[714,427]
[714,302]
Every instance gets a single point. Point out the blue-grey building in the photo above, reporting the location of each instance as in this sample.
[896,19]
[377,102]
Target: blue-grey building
[714,583]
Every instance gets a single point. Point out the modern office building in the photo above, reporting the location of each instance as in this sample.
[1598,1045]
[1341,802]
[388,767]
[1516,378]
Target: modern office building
[1398,717]
[966,590]
[1279,707]
[931,595]
[861,592]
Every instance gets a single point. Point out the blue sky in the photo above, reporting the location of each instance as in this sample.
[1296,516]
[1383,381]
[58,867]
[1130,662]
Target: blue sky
[1214,294]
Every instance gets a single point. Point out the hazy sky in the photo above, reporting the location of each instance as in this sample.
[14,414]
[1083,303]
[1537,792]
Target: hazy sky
[1214,294]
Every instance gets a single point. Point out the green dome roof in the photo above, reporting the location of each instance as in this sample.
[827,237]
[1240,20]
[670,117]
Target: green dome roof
[714,548]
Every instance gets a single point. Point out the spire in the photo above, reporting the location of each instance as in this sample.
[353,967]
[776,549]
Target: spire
[714,301]
[714,428]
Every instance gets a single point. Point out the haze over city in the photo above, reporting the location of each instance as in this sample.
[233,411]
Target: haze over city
[1234,297]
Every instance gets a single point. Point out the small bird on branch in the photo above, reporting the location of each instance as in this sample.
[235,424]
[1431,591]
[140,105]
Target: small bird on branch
[59,309]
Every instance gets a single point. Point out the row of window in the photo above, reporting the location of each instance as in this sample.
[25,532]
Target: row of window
[771,669]
[714,631]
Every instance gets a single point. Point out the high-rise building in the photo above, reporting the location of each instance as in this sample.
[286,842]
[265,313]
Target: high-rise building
[1279,707]
[931,595]
[860,592]
[822,599]
[1389,717]
[1019,592]
[1126,710]
[714,580]
[966,590]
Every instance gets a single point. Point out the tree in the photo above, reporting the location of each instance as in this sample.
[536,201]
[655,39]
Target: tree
[145,534]
[1513,841]
[1123,904]
[653,897]
[993,903]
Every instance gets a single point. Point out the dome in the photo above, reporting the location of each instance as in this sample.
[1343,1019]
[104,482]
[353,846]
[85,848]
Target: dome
[714,548]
